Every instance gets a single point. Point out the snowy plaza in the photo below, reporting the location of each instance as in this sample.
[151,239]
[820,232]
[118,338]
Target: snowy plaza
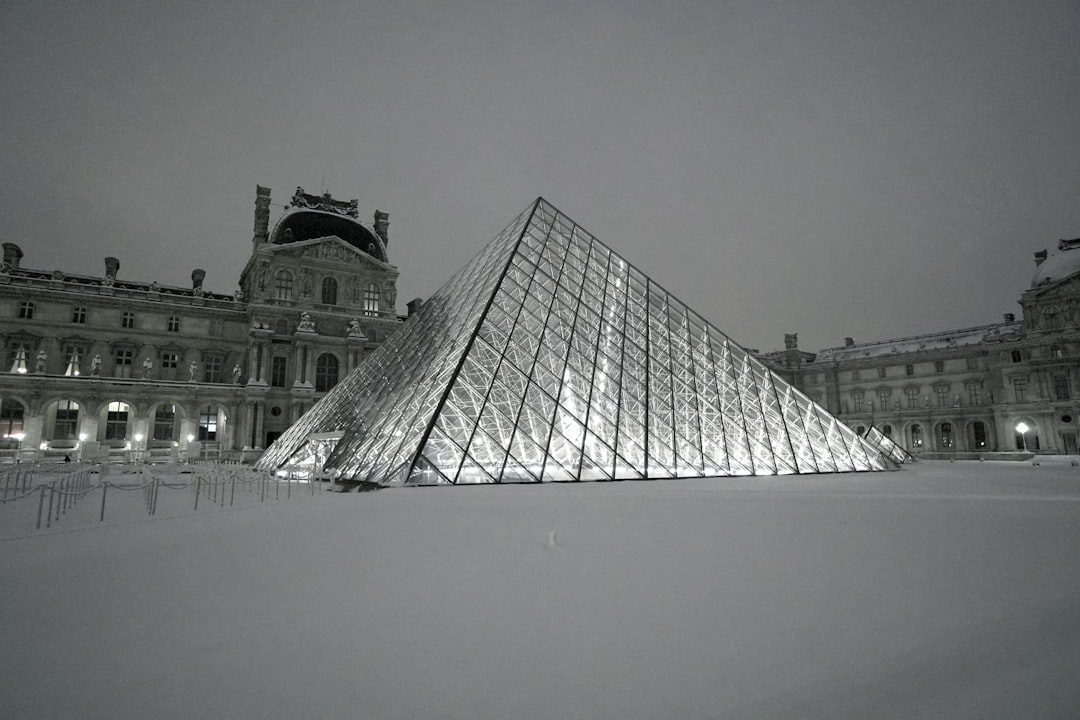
[943,590]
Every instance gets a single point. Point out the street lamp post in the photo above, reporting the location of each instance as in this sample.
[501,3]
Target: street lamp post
[1022,428]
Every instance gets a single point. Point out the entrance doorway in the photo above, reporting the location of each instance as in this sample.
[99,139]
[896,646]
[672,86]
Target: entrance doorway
[1070,443]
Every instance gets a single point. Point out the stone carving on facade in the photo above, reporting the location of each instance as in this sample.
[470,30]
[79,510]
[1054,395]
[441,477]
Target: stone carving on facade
[355,331]
[236,374]
[147,367]
[5,267]
[95,366]
[325,203]
[109,281]
[331,251]
[238,296]
[390,293]
[192,369]
[154,287]
[58,275]
[42,360]
[306,323]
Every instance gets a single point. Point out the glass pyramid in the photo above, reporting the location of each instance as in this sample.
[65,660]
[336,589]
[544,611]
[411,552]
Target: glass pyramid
[887,446]
[551,358]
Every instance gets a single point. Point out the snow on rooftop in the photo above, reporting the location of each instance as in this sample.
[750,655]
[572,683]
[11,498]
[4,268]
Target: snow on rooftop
[920,343]
[945,590]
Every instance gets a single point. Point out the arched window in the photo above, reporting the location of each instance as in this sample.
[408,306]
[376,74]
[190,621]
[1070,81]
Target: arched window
[116,421]
[946,436]
[67,420]
[283,282]
[329,291]
[326,372]
[165,422]
[916,436]
[11,418]
[978,432]
[371,299]
[886,430]
[208,423]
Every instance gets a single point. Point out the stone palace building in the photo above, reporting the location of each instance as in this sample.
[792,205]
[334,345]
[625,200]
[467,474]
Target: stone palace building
[1009,386]
[101,367]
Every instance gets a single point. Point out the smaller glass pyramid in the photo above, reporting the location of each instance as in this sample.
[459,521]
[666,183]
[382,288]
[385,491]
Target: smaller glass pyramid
[551,358]
[886,446]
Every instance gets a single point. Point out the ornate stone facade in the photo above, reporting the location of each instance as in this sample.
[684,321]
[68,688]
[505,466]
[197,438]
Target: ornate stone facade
[965,392]
[102,367]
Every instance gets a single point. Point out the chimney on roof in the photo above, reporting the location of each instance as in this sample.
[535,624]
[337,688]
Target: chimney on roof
[1040,257]
[12,255]
[849,342]
[1009,317]
[262,215]
[197,276]
[382,226]
[112,265]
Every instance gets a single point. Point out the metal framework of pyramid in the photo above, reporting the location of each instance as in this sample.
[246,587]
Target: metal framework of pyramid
[887,446]
[551,358]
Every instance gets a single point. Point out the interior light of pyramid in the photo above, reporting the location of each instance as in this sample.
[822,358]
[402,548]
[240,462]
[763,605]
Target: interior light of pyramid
[551,358]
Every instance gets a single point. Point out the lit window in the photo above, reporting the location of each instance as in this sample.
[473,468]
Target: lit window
[127,320]
[371,299]
[208,423]
[916,436]
[78,315]
[74,355]
[17,358]
[11,418]
[978,431]
[26,311]
[173,323]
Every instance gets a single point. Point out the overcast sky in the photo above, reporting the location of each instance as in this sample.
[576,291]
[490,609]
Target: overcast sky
[843,168]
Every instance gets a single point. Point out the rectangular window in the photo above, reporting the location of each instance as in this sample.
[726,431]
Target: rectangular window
[881,372]
[939,366]
[973,394]
[1016,356]
[857,399]
[173,324]
[942,393]
[909,370]
[973,363]
[213,369]
[127,320]
[371,299]
[856,375]
[912,397]
[18,358]
[883,399]
[169,362]
[78,315]
[217,328]
[1061,386]
[1020,389]
[278,366]
[116,422]
[123,359]
[26,311]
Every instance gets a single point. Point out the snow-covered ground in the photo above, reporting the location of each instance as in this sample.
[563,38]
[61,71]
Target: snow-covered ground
[945,590]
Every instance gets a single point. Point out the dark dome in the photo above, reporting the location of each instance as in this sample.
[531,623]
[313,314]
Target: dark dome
[299,225]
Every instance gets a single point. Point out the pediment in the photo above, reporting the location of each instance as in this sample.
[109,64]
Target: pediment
[328,249]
